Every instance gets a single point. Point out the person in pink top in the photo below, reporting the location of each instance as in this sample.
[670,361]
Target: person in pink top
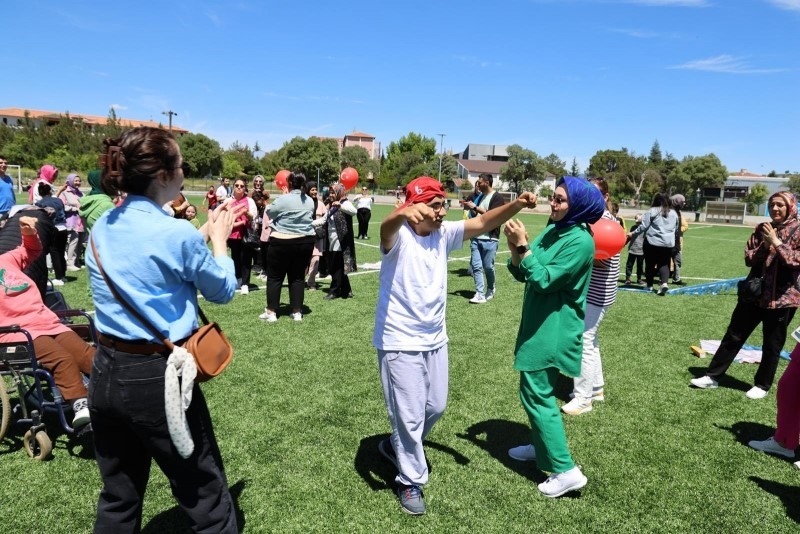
[57,348]
[787,433]
[48,173]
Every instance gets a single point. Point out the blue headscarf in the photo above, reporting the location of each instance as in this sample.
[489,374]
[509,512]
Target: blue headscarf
[586,202]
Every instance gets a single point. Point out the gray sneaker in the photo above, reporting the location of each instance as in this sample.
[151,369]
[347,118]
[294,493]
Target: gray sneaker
[387,451]
[411,499]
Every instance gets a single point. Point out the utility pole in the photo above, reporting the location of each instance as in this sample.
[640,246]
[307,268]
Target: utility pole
[170,113]
[441,153]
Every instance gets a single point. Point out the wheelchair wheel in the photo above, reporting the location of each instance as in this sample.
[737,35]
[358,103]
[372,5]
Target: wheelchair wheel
[40,449]
[5,408]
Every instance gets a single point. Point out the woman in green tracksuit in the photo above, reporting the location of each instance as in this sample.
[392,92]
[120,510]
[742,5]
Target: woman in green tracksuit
[555,269]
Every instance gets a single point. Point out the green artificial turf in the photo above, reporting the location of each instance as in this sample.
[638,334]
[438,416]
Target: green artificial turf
[299,413]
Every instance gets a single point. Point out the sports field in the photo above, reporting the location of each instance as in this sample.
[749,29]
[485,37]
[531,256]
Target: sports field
[299,414]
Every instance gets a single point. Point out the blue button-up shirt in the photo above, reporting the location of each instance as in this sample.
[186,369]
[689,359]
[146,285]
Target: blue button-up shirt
[157,264]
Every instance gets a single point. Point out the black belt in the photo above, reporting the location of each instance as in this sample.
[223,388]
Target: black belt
[132,346]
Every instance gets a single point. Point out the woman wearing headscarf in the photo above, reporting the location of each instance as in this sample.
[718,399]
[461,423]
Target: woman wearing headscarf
[556,269]
[96,203]
[340,245]
[320,212]
[71,197]
[773,254]
[48,173]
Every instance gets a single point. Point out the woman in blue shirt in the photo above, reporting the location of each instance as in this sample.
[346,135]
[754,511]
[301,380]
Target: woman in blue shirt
[291,244]
[159,277]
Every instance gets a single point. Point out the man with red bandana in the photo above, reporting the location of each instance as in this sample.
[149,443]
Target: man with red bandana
[410,331]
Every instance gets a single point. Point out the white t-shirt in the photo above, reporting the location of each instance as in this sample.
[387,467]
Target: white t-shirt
[222,193]
[410,315]
[364,201]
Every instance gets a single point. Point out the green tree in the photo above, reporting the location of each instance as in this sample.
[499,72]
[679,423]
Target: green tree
[244,155]
[358,158]
[407,158]
[231,168]
[655,158]
[555,165]
[546,191]
[627,174]
[755,197]
[793,183]
[311,155]
[574,169]
[64,160]
[203,154]
[523,169]
[698,172]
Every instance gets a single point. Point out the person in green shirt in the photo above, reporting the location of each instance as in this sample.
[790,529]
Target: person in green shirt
[96,203]
[555,269]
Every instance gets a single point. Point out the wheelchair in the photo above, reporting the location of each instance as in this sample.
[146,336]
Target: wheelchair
[36,392]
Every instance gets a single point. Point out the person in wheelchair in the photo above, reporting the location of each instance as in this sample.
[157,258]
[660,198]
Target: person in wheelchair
[58,349]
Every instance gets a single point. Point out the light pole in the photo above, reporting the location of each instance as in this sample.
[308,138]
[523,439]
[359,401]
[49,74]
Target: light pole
[169,113]
[441,153]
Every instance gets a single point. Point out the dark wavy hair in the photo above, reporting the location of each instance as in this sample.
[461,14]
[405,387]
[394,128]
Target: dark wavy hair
[134,159]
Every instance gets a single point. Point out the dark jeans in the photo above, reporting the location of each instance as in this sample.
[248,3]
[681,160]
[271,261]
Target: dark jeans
[656,259]
[363,215]
[634,258]
[126,401]
[744,320]
[288,258]
[58,250]
[340,283]
[242,257]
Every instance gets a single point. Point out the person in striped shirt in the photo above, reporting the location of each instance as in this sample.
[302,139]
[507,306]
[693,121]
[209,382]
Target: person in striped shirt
[588,386]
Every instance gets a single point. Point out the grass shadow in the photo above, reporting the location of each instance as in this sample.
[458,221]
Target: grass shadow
[789,495]
[496,436]
[175,519]
[564,387]
[373,468]
[746,431]
[464,293]
[463,271]
[725,381]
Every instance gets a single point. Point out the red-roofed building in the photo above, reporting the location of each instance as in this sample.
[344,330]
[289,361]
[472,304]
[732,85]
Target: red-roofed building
[16,116]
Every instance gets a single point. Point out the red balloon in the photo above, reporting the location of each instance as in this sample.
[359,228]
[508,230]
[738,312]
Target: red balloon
[280,179]
[609,238]
[349,178]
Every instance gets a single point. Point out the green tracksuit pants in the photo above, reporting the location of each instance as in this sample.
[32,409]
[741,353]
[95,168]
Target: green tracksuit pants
[536,391]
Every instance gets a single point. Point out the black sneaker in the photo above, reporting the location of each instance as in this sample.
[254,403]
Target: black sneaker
[387,451]
[411,499]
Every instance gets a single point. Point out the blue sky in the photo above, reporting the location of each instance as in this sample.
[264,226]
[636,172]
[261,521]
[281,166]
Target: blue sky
[564,76]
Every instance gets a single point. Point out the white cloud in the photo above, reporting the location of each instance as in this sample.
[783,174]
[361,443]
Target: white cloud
[791,5]
[725,64]
[118,107]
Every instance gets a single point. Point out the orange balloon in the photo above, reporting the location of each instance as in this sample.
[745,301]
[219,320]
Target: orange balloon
[280,179]
[609,238]
[349,178]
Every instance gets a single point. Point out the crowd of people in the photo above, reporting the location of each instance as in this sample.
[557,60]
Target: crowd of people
[297,236]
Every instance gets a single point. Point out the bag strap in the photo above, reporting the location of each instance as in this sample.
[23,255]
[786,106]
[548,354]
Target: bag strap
[167,343]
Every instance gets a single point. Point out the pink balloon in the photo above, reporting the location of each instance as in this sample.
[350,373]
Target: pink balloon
[349,178]
[280,179]
[609,238]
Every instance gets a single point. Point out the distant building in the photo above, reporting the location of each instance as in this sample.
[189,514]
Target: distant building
[364,140]
[478,159]
[738,185]
[16,117]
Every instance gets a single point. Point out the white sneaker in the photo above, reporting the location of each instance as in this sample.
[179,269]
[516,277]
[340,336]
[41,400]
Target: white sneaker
[577,407]
[262,277]
[558,484]
[81,409]
[523,453]
[478,299]
[297,316]
[72,268]
[663,289]
[597,395]
[772,447]
[704,382]
[57,282]
[490,295]
[245,290]
[268,316]
[756,393]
